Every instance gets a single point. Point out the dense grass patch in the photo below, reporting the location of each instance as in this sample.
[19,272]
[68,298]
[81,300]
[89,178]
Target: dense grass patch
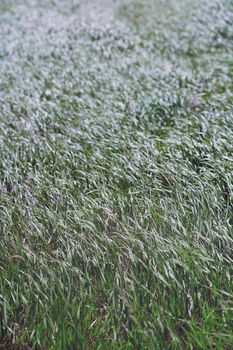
[116,168]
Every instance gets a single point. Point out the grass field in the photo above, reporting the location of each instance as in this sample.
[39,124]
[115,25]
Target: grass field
[116,174]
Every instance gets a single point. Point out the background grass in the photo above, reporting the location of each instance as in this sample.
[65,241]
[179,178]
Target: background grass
[116,130]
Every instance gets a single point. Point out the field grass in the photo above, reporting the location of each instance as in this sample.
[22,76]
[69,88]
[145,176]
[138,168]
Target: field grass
[116,174]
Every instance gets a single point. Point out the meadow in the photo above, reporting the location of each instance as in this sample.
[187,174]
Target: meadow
[116,174]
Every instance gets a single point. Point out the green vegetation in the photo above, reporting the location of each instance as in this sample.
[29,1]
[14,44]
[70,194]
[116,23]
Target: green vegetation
[116,168]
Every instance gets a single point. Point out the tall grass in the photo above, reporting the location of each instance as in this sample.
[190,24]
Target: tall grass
[116,170]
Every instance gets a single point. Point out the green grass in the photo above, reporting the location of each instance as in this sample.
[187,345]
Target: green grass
[116,174]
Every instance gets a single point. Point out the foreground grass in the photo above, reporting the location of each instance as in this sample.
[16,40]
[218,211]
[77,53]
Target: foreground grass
[116,175]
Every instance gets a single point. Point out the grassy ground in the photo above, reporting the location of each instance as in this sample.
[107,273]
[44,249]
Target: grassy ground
[116,168]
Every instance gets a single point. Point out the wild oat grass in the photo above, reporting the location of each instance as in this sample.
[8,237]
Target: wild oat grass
[116,168]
